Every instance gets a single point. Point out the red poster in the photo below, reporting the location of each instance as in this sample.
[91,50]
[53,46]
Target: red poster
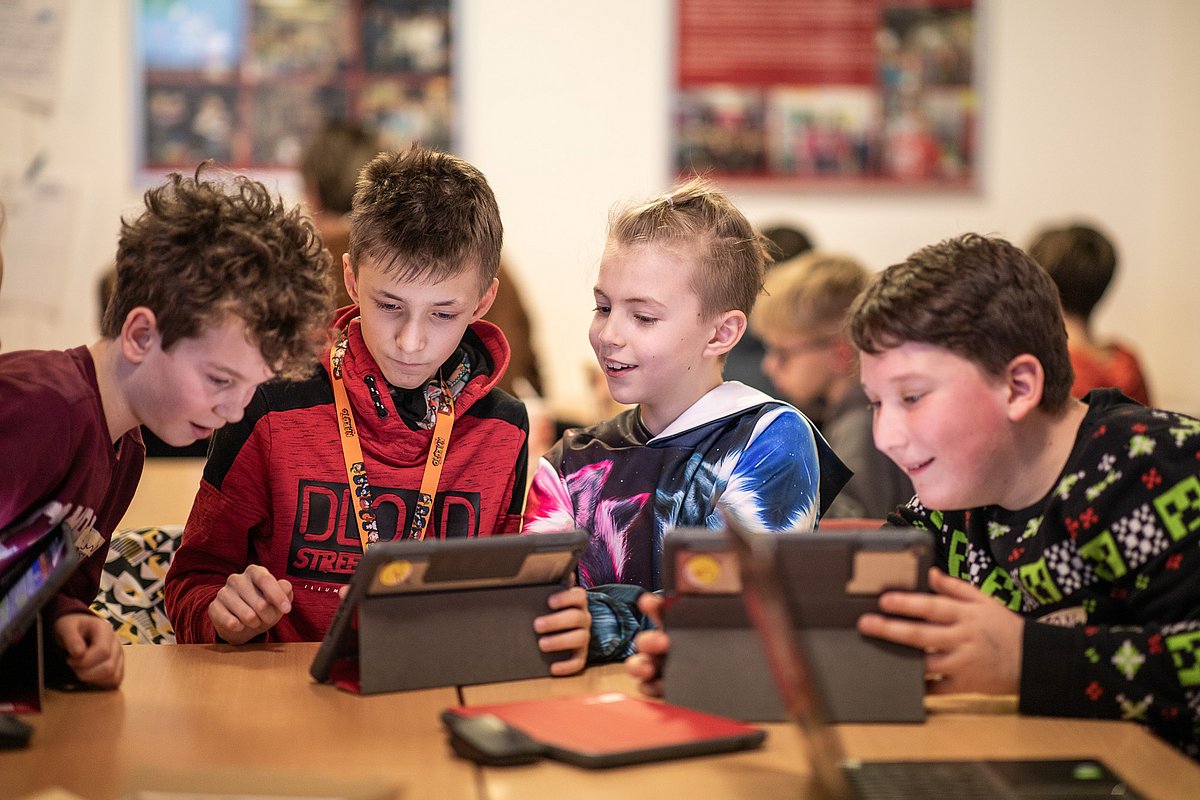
[827,93]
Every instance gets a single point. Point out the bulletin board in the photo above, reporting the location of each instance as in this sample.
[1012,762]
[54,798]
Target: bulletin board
[845,94]
[249,82]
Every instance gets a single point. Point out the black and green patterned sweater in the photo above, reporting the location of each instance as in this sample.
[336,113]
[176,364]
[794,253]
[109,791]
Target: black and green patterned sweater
[1106,568]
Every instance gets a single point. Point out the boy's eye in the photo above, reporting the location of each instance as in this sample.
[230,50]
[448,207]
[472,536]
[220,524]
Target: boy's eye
[910,399]
[220,381]
[644,319]
[445,315]
[602,309]
[387,306]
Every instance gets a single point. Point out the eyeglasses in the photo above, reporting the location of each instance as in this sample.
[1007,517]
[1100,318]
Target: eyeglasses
[784,354]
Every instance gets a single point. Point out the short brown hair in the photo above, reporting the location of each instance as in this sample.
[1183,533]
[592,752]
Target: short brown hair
[426,215]
[980,297]
[809,294]
[1082,262]
[732,256]
[202,250]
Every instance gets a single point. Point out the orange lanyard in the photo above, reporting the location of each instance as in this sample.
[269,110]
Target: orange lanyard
[356,469]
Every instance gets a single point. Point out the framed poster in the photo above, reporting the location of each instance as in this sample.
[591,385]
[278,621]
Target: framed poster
[249,82]
[828,93]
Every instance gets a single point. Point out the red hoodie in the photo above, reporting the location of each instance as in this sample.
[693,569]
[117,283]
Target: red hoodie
[275,493]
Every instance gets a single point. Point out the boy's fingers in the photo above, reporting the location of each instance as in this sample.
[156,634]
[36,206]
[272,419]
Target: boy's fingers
[914,634]
[650,604]
[566,619]
[568,598]
[270,590]
[938,609]
[569,666]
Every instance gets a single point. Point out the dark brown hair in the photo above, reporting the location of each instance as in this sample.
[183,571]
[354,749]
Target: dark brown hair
[980,297]
[202,250]
[426,215]
[697,218]
[1081,261]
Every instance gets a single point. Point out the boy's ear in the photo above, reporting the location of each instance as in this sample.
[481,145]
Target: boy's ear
[729,329]
[139,334]
[1025,379]
[349,278]
[485,302]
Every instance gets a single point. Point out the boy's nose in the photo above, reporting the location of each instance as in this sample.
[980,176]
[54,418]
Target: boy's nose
[411,337]
[887,432]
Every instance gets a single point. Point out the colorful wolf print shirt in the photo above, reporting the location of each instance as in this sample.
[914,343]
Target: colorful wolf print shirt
[628,488]
[1106,566]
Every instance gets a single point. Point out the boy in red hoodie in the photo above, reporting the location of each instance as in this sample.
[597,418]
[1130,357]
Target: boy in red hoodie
[287,505]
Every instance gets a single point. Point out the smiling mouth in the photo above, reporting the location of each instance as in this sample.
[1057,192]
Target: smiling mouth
[912,469]
[616,367]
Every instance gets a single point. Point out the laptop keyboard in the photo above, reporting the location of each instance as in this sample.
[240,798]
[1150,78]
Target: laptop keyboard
[908,780]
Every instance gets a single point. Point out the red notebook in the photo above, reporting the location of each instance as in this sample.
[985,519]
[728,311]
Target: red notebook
[611,729]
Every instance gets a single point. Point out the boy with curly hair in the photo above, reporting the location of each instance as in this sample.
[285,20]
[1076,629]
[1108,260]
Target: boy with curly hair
[219,288]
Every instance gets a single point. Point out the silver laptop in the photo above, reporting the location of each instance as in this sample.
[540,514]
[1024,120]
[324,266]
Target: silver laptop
[837,778]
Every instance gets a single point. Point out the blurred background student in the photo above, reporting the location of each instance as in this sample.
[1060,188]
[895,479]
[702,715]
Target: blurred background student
[329,169]
[800,318]
[1082,262]
[744,362]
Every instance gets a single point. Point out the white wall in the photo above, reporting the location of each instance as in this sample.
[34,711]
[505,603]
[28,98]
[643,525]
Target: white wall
[1090,109]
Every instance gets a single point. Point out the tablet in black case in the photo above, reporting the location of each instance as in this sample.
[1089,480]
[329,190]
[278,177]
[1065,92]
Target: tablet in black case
[717,663]
[447,612]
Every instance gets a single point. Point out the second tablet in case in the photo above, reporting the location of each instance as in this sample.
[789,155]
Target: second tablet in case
[447,612]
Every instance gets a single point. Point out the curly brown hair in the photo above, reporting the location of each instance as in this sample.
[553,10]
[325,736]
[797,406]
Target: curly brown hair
[980,297]
[203,250]
[425,215]
[731,257]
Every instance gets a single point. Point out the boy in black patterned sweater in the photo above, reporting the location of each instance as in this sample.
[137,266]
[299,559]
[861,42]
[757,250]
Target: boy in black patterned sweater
[1081,518]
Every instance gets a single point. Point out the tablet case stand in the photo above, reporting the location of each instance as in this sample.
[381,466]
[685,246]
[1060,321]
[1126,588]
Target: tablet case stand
[421,640]
[717,663]
[23,672]
[726,670]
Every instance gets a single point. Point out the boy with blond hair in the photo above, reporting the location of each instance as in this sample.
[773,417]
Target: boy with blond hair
[218,289]
[801,320]
[677,280]
[400,433]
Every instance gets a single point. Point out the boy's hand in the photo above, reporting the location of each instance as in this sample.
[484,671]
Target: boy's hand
[652,646]
[568,627]
[93,651]
[972,643]
[248,604]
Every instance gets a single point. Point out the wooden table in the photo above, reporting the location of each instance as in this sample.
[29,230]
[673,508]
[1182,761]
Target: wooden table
[956,727]
[195,709]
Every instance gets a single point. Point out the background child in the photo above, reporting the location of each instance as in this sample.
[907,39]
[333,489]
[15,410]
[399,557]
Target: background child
[678,276]
[277,526]
[1082,262]
[1066,532]
[744,362]
[218,289]
[329,167]
[801,318]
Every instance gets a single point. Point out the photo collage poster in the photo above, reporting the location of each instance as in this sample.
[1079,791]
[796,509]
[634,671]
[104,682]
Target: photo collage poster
[828,93]
[249,82]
